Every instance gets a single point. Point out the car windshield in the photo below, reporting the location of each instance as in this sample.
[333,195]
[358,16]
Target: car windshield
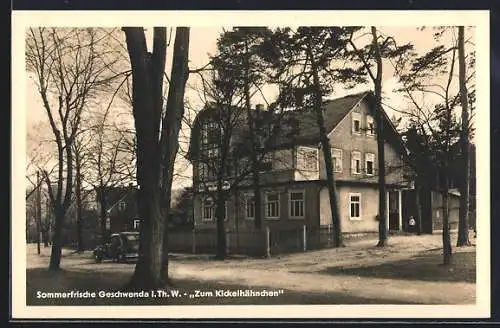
[132,239]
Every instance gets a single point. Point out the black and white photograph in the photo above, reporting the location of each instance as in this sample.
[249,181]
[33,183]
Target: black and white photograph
[311,164]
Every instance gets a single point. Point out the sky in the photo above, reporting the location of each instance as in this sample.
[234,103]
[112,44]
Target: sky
[202,45]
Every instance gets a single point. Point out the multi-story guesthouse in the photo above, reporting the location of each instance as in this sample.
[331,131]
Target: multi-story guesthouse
[293,175]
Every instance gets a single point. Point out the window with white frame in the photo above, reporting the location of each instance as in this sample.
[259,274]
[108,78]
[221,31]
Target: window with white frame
[356,122]
[337,159]
[249,206]
[137,223]
[307,159]
[297,201]
[272,205]
[370,163]
[370,125]
[356,162]
[355,206]
[207,209]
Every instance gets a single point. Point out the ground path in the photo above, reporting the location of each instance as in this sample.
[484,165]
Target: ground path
[408,270]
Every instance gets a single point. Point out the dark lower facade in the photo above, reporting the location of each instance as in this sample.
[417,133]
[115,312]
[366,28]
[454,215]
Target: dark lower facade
[298,213]
[431,203]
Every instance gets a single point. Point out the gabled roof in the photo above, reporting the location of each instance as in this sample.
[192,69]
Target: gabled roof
[300,126]
[334,111]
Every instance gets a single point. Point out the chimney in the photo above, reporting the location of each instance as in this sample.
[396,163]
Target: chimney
[259,107]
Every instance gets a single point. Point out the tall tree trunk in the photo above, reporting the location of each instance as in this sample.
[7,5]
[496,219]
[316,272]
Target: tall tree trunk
[169,142]
[446,224]
[382,223]
[236,213]
[418,207]
[463,221]
[147,99]
[221,230]
[166,207]
[45,232]
[47,226]
[327,154]
[252,118]
[78,194]
[55,255]
[103,214]
[148,270]
[38,213]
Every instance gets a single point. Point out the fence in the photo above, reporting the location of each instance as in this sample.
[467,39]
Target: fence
[267,242]
[205,241]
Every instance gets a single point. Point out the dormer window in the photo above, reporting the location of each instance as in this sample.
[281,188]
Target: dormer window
[356,123]
[370,125]
[307,159]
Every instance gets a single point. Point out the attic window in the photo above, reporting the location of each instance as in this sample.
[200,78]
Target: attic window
[356,122]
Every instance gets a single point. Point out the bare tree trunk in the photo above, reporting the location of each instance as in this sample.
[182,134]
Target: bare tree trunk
[45,232]
[252,119]
[78,194]
[148,271]
[47,226]
[38,215]
[221,230]
[236,213]
[327,154]
[103,214]
[169,142]
[382,223]
[463,223]
[147,98]
[418,206]
[55,256]
[446,225]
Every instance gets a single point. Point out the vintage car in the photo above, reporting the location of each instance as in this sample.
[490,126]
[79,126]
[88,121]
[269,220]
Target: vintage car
[121,247]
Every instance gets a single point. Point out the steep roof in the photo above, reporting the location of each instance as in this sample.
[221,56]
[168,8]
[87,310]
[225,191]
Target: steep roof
[300,126]
[306,129]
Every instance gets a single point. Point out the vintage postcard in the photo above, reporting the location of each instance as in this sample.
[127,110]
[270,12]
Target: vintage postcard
[264,164]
